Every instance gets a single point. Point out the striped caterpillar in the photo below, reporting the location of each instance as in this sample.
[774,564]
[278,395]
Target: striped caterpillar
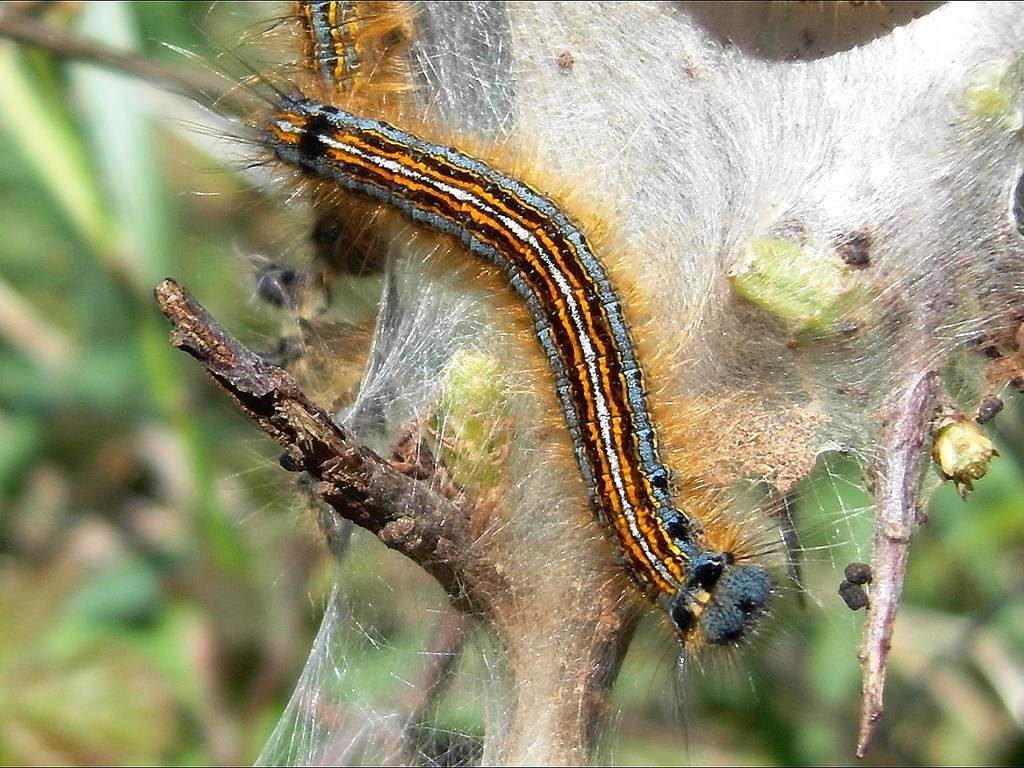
[712,595]
[791,242]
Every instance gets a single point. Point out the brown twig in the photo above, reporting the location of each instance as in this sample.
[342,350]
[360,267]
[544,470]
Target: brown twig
[354,481]
[898,483]
[197,85]
[439,659]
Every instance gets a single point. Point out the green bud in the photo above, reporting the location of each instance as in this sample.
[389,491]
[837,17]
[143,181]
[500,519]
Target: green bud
[472,435]
[962,452]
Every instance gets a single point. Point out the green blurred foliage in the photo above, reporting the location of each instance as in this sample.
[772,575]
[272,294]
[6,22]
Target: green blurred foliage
[146,616]
[160,577]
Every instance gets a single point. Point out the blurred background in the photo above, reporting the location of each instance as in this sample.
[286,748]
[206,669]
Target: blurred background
[161,579]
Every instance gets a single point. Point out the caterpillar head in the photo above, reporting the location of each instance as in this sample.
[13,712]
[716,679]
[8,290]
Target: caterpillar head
[721,599]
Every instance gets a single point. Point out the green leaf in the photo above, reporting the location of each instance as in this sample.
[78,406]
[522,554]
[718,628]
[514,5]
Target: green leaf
[35,122]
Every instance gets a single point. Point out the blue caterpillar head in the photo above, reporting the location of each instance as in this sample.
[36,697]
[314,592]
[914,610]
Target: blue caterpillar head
[721,600]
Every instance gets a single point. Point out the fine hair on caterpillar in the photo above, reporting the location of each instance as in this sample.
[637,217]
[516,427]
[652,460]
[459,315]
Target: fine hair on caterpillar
[712,593]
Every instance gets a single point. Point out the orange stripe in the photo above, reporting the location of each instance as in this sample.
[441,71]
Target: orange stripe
[634,484]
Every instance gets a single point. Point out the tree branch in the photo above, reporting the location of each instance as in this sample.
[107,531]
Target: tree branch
[439,659]
[195,84]
[899,479]
[354,481]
